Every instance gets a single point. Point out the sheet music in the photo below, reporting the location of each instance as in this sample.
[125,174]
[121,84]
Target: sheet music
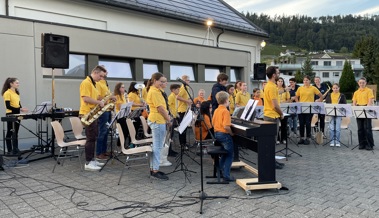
[187,119]
[291,108]
[124,110]
[249,109]
[259,112]
[42,108]
[341,110]
[371,112]
[312,107]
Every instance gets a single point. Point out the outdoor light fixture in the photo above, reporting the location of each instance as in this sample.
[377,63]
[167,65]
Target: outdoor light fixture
[263,44]
[209,23]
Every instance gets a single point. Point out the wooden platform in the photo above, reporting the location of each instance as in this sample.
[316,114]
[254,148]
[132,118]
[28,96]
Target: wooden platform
[248,188]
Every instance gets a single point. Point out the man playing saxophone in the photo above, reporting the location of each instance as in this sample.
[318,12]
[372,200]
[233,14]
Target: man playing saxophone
[89,98]
[324,90]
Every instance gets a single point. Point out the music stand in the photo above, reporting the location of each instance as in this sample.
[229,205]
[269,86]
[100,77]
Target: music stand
[289,109]
[337,110]
[312,108]
[367,112]
[124,111]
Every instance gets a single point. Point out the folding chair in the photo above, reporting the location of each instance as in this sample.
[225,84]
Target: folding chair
[67,149]
[77,128]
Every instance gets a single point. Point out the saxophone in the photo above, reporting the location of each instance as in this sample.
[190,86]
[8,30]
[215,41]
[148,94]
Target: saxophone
[326,93]
[97,111]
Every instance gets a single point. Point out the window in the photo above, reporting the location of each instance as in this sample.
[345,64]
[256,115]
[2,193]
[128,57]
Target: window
[327,63]
[325,74]
[234,74]
[211,73]
[339,63]
[117,68]
[149,68]
[76,68]
[314,63]
[352,62]
[180,70]
[336,74]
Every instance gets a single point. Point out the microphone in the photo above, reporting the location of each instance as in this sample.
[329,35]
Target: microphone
[182,81]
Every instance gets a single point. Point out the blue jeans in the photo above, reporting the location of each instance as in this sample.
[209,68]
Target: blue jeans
[226,160]
[102,138]
[335,138]
[292,121]
[159,133]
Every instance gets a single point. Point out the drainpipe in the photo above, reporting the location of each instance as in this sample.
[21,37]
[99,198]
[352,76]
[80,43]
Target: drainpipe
[218,37]
[7,8]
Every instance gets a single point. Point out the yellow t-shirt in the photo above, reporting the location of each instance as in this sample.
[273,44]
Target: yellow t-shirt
[144,94]
[242,99]
[102,87]
[232,103]
[271,93]
[182,106]
[307,94]
[87,88]
[221,118]
[173,104]
[335,97]
[133,97]
[154,100]
[14,99]
[285,96]
[362,96]
[120,99]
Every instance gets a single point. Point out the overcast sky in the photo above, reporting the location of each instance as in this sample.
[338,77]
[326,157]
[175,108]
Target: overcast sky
[312,8]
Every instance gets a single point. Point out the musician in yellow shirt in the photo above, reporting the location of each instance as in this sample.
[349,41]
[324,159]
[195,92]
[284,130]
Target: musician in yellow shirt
[89,98]
[157,120]
[12,102]
[306,93]
[364,97]
[119,93]
[335,98]
[183,103]
[232,98]
[243,96]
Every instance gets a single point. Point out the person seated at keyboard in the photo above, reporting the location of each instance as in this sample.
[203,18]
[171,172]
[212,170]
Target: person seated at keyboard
[223,133]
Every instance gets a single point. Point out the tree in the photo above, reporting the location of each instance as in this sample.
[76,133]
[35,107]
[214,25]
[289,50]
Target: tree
[367,49]
[306,68]
[299,76]
[347,81]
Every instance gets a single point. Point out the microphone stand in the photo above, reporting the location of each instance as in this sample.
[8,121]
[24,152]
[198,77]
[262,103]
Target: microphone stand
[202,195]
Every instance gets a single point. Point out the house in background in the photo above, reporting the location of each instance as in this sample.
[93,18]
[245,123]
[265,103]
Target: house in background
[327,67]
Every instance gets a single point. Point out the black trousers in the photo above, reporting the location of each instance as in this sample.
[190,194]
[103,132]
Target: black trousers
[12,136]
[365,137]
[305,122]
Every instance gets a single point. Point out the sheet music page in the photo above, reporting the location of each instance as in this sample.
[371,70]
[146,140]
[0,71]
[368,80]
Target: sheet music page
[342,110]
[249,109]
[187,119]
[259,112]
[291,108]
[124,110]
[318,108]
[372,112]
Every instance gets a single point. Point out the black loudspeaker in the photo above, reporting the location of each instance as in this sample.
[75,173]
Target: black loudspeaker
[259,71]
[55,51]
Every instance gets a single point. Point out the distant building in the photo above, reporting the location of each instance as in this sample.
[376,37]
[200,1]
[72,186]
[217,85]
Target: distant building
[327,67]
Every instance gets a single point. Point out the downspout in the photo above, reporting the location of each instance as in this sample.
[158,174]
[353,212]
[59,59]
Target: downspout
[7,8]
[218,37]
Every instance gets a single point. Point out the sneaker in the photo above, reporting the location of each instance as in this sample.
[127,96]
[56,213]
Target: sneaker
[361,147]
[332,144]
[230,179]
[91,166]
[277,142]
[158,175]
[306,142]
[338,145]
[165,163]
[323,136]
[301,142]
[284,142]
[99,164]
[369,148]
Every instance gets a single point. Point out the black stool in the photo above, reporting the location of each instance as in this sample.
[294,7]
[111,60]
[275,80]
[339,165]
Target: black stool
[216,152]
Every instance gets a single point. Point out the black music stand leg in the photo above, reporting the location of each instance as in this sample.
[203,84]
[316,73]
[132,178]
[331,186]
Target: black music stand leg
[202,195]
[112,157]
[286,149]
